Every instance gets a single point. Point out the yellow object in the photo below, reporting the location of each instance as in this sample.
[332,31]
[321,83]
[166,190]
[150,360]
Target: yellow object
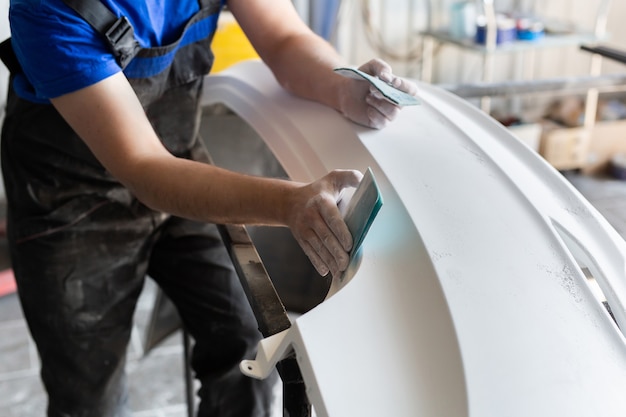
[230,45]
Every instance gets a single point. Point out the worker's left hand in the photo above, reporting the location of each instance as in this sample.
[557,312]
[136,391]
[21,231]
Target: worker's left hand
[364,104]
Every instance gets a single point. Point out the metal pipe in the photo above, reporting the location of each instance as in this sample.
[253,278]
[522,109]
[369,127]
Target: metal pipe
[552,85]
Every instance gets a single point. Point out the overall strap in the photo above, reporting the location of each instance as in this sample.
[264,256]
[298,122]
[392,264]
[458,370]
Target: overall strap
[118,31]
[208,3]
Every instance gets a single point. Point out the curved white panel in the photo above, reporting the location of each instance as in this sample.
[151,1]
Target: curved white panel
[468,300]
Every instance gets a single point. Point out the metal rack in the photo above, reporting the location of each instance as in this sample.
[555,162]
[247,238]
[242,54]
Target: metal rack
[581,136]
[491,49]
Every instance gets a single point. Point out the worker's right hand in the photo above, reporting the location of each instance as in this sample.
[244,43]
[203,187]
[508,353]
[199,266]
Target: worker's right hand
[318,226]
[364,104]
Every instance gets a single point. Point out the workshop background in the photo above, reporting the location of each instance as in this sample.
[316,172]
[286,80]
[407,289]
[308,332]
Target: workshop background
[567,104]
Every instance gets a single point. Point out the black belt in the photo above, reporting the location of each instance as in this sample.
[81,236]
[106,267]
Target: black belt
[7,55]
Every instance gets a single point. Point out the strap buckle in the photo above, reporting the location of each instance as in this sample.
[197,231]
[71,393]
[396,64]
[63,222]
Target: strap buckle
[121,37]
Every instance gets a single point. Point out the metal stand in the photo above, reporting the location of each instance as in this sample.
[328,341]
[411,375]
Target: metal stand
[269,312]
[189,395]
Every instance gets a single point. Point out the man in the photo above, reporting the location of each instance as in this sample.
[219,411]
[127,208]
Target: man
[97,151]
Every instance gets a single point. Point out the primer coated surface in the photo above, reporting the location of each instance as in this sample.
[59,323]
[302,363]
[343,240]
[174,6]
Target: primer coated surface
[469,299]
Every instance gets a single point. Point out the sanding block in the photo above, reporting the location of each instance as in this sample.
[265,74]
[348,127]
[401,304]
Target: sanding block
[359,209]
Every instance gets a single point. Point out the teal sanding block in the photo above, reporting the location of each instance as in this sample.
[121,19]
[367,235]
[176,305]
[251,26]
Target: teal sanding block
[361,209]
[391,93]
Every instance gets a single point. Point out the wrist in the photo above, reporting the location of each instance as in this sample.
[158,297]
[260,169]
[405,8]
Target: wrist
[336,93]
[287,201]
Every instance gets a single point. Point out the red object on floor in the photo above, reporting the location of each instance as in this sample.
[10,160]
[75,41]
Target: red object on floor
[7,282]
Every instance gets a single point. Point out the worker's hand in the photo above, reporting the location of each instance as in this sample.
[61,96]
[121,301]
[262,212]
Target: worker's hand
[318,226]
[364,104]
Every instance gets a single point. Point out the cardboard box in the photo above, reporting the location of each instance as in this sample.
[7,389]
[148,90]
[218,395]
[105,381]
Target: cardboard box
[563,147]
[576,148]
[607,140]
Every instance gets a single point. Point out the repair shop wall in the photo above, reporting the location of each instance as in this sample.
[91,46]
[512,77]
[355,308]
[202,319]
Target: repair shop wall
[386,29]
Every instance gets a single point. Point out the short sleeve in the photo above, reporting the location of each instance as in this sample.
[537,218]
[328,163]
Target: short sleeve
[59,52]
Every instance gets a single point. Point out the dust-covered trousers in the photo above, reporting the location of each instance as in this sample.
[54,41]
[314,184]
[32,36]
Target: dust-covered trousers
[81,246]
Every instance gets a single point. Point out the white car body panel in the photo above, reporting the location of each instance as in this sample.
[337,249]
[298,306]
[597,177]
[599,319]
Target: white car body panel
[468,299]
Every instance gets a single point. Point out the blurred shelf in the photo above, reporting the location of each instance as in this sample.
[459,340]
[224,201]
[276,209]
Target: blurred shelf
[547,41]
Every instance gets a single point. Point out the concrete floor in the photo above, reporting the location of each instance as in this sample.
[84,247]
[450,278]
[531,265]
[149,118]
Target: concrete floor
[156,379]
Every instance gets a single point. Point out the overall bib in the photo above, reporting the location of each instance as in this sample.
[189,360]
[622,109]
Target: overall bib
[81,246]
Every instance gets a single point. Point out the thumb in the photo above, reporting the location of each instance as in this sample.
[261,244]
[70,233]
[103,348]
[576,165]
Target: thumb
[345,178]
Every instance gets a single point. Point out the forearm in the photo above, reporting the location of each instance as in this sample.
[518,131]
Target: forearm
[208,193]
[303,65]
[211,194]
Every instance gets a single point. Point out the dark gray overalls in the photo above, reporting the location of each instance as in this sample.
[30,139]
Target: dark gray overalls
[81,246]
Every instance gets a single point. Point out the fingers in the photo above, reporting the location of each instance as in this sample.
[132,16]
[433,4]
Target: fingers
[320,230]
[381,110]
[334,236]
[402,84]
[334,233]
[382,70]
[364,104]
[325,251]
[378,68]
[376,119]
[320,265]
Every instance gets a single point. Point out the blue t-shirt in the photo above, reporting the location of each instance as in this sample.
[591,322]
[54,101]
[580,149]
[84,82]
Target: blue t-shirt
[61,53]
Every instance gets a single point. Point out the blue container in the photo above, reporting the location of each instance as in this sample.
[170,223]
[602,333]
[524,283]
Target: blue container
[505,32]
[503,35]
[529,29]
